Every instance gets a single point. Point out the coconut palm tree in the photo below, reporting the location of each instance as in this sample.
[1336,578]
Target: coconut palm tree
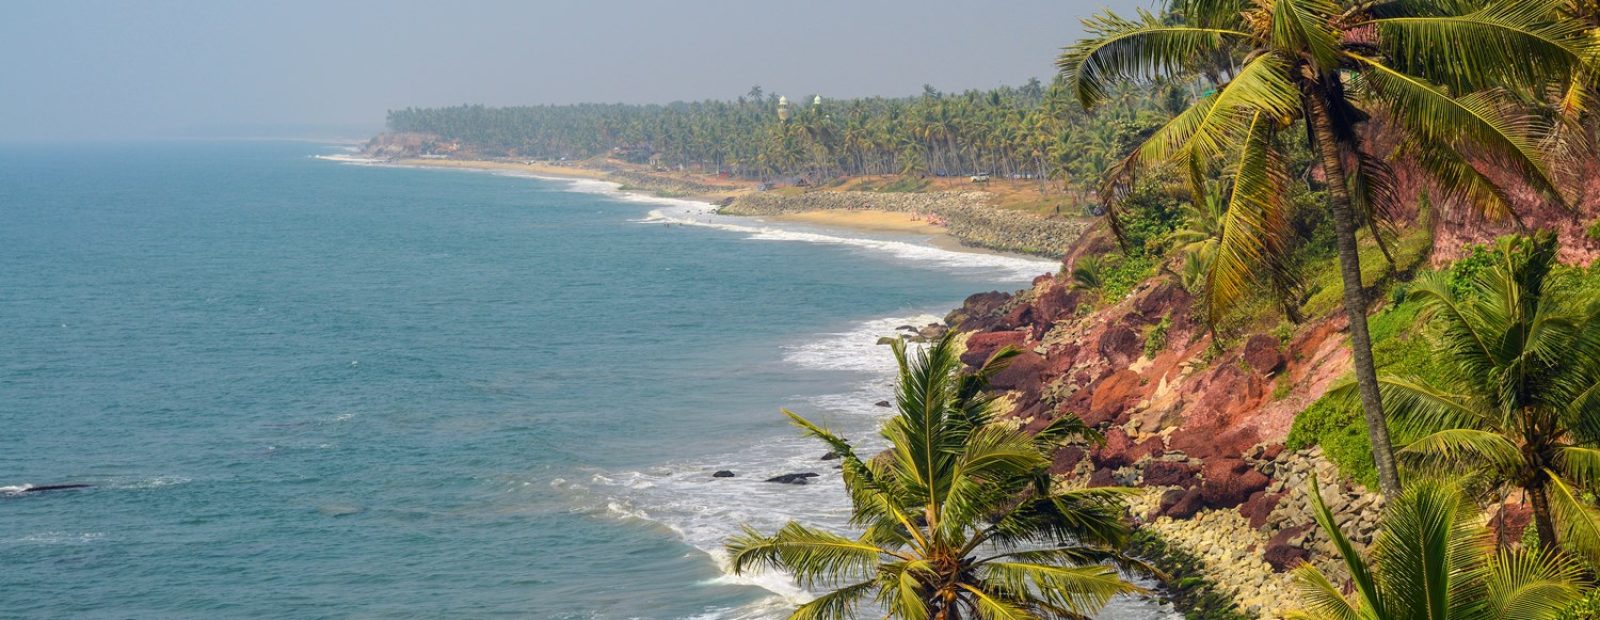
[1520,401]
[1437,70]
[959,517]
[1434,559]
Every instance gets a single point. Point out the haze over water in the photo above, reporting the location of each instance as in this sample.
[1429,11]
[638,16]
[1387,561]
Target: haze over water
[305,389]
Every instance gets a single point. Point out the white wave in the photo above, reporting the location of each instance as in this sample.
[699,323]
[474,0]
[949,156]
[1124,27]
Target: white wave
[1005,266]
[16,489]
[855,348]
[685,212]
[55,538]
[355,160]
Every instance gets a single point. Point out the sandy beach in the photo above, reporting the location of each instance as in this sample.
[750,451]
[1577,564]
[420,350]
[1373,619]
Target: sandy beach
[855,219]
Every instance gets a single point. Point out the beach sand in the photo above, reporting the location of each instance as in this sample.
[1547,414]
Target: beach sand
[572,172]
[864,219]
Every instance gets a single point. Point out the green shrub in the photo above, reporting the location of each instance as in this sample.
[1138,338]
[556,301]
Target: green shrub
[1337,426]
[1400,346]
[1125,272]
[1157,339]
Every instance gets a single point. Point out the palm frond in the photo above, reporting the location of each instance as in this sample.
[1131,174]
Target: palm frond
[1366,588]
[1464,446]
[1321,600]
[1082,589]
[813,556]
[1501,44]
[1478,120]
[1304,25]
[840,604]
[1532,585]
[1577,521]
[1119,49]
[1255,226]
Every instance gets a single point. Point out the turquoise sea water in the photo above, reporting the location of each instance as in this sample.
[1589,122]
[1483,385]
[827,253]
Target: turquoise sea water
[309,389]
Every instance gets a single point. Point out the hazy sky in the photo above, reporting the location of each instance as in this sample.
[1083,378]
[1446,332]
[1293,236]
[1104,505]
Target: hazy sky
[77,69]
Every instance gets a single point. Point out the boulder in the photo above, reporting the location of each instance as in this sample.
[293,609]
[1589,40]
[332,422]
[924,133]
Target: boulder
[1111,396]
[1121,345]
[1058,302]
[980,312]
[1258,508]
[799,478]
[1103,477]
[1114,452]
[883,403]
[1180,504]
[1066,459]
[1021,374]
[1510,522]
[831,455]
[1262,353]
[981,346]
[1230,481]
[1170,474]
[1282,555]
[722,473]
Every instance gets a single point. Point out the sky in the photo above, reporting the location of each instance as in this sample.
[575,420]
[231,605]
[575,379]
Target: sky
[87,70]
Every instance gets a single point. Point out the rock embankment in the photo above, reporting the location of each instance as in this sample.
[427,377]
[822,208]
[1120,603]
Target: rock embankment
[970,216]
[1247,552]
[663,185]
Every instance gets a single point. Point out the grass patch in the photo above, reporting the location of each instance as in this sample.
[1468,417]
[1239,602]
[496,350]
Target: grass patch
[1156,340]
[1401,345]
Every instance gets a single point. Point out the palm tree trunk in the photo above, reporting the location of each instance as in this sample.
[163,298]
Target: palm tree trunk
[1539,496]
[1355,299]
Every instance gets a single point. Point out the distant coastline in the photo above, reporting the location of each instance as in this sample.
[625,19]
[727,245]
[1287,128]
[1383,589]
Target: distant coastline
[953,220]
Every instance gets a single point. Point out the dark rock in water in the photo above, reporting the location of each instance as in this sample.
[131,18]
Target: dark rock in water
[882,403]
[887,340]
[908,328]
[722,474]
[831,455]
[55,487]
[799,478]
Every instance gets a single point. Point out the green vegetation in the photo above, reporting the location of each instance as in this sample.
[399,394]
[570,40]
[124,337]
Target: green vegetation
[1515,403]
[1032,132]
[1445,75]
[1156,340]
[960,517]
[1433,557]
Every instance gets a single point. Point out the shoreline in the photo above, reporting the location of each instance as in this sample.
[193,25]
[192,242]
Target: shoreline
[857,219]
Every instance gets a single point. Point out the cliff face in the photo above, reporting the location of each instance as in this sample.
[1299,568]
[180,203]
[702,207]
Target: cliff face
[1201,431]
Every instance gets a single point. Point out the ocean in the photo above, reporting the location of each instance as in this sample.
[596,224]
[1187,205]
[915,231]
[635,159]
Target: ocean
[311,388]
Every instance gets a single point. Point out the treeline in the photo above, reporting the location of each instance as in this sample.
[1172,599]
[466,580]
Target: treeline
[1035,131]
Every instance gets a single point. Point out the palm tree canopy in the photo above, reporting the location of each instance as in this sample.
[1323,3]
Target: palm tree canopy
[1444,71]
[1434,559]
[1517,399]
[959,517]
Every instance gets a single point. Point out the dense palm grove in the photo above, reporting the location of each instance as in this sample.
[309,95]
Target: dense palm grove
[1034,131]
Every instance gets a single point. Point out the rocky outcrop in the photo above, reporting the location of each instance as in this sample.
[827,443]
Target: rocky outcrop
[799,478]
[969,216]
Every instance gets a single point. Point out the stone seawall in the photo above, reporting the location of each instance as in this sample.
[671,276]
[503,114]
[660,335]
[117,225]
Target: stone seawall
[968,215]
